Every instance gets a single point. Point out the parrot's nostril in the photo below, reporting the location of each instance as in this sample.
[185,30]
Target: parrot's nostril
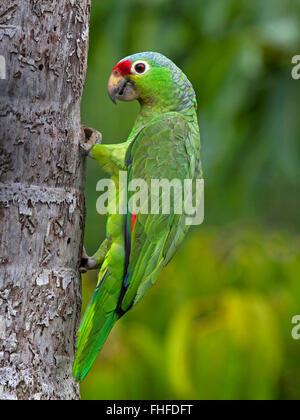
[122,90]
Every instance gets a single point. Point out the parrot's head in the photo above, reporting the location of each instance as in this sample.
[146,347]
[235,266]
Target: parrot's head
[152,79]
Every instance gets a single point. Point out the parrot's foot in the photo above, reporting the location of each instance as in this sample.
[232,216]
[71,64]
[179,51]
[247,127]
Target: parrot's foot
[87,263]
[92,138]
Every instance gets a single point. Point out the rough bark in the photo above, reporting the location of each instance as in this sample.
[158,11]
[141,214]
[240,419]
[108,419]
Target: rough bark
[44,43]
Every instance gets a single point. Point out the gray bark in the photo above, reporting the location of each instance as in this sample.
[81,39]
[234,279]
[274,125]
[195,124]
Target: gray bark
[44,44]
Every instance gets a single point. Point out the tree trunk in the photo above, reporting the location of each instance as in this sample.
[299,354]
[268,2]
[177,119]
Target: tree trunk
[44,44]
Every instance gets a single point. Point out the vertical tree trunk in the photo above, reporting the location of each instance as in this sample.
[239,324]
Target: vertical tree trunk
[44,44]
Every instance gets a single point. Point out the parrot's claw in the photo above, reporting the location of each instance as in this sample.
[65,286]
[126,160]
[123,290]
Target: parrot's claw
[92,137]
[87,263]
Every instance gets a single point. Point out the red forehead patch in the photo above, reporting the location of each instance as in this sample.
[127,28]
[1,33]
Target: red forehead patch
[123,67]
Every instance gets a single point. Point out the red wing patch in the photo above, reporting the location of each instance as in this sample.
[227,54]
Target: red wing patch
[133,219]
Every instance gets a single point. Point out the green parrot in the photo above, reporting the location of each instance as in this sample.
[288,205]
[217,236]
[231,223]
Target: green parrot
[163,144]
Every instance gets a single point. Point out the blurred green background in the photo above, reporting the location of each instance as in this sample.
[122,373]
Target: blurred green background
[217,325]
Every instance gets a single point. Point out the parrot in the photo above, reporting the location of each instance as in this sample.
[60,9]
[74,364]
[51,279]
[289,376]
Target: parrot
[164,144]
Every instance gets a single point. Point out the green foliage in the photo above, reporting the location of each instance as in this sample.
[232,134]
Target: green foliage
[218,322]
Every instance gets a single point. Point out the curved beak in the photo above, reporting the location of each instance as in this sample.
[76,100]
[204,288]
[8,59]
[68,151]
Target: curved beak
[121,88]
[116,85]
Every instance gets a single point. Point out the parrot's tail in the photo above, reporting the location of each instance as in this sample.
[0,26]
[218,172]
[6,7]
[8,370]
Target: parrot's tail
[92,334]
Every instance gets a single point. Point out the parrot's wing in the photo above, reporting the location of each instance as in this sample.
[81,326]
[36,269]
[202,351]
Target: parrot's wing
[165,149]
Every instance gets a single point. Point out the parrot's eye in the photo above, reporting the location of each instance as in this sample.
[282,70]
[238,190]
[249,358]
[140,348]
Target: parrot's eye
[140,67]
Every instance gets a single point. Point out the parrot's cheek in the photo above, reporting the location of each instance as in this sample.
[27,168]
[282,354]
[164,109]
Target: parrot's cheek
[127,93]
[121,88]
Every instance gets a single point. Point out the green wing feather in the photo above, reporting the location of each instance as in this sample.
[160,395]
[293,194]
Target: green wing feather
[161,151]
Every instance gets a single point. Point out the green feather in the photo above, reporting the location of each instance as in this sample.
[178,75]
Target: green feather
[96,324]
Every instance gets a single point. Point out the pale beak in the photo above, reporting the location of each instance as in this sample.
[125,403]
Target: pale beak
[120,88]
[116,84]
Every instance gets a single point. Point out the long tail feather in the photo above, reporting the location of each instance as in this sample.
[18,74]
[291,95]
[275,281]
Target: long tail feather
[92,334]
